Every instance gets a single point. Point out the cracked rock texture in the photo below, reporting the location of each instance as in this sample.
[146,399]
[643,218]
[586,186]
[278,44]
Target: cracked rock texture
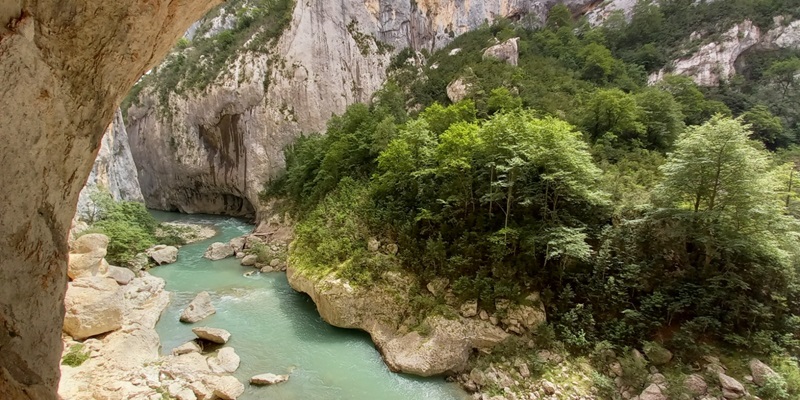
[64,66]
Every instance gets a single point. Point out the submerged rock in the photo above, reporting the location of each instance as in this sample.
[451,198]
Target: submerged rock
[268,379]
[198,309]
[218,251]
[93,306]
[214,335]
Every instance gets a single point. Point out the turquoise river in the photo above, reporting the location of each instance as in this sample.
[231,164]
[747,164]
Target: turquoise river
[275,329]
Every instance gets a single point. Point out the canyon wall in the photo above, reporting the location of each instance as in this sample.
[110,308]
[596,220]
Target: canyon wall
[114,171]
[216,149]
[64,67]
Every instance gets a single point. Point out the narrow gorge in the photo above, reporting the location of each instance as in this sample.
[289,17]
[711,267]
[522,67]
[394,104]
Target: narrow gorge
[439,199]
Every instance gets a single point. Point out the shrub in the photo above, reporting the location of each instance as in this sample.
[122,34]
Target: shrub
[76,355]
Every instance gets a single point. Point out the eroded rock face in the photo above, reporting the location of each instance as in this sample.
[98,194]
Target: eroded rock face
[68,63]
[716,61]
[375,310]
[218,148]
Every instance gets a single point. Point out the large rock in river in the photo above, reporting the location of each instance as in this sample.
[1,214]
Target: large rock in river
[214,335]
[163,254]
[93,306]
[218,251]
[87,256]
[226,361]
[198,309]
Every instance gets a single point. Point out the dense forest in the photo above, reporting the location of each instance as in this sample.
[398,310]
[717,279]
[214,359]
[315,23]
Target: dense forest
[641,212]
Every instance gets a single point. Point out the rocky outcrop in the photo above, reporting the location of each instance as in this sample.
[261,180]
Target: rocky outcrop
[716,61]
[116,360]
[113,171]
[216,149]
[761,372]
[122,276]
[198,309]
[377,309]
[507,51]
[65,66]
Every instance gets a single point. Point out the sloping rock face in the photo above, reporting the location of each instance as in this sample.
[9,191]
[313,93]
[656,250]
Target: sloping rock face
[65,65]
[716,61]
[216,150]
[378,311]
[113,170]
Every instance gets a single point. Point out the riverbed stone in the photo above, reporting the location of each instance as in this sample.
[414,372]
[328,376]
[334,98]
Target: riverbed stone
[214,335]
[268,379]
[249,260]
[218,251]
[199,309]
[162,254]
[237,243]
[224,387]
[226,361]
[186,348]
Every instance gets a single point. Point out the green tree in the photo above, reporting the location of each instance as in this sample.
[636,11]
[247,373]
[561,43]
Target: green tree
[662,118]
[766,127]
[613,116]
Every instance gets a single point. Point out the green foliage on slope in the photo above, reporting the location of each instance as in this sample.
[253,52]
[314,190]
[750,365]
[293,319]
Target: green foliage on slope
[640,213]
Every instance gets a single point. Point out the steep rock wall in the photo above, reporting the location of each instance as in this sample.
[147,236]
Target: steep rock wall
[113,170]
[716,61]
[64,66]
[216,150]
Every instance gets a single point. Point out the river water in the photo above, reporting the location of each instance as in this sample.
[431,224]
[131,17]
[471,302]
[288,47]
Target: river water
[275,329]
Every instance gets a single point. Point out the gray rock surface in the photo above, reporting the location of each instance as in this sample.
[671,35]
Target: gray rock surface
[249,260]
[186,348]
[731,388]
[199,309]
[507,51]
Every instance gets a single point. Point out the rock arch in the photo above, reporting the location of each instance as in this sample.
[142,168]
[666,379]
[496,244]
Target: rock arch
[64,66]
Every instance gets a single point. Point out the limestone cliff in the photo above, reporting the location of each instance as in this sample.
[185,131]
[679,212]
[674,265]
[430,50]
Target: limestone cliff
[217,148]
[65,66]
[113,170]
[716,61]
